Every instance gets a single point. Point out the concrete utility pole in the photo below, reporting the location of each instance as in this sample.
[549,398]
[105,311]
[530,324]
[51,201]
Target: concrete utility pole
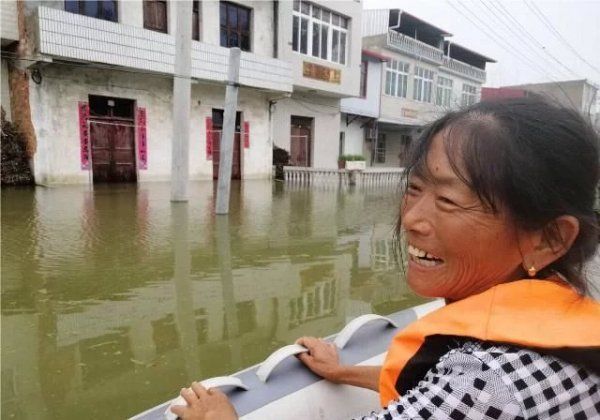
[226,145]
[182,87]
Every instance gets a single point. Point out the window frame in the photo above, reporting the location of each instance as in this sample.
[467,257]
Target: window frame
[396,78]
[145,5]
[328,22]
[240,33]
[443,91]
[81,9]
[469,94]
[196,20]
[423,84]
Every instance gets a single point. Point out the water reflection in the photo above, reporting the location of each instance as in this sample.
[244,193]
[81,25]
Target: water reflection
[112,299]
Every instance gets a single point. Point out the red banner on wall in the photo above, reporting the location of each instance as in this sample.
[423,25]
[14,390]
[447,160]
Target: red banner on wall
[209,133]
[246,134]
[142,144]
[84,135]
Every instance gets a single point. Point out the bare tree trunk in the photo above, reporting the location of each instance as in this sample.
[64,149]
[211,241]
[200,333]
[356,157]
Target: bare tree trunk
[18,79]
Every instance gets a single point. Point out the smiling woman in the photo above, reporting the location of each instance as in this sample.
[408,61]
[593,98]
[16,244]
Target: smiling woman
[498,216]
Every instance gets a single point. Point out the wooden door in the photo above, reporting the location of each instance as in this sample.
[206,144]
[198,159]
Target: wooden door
[236,170]
[113,150]
[300,142]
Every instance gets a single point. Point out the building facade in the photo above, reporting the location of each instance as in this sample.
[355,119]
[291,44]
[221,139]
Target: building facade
[424,75]
[9,36]
[101,85]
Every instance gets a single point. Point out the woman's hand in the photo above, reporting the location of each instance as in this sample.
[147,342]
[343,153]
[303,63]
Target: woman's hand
[322,357]
[204,404]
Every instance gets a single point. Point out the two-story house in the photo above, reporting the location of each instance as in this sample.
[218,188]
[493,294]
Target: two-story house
[424,75]
[101,101]
[322,43]
[101,84]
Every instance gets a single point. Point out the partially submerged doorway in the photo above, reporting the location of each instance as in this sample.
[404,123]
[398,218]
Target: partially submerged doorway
[217,123]
[112,138]
[301,141]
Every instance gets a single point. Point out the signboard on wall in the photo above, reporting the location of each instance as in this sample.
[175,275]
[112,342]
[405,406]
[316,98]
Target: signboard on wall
[409,113]
[319,72]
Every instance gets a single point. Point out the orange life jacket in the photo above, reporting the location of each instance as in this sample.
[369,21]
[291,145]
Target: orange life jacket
[545,315]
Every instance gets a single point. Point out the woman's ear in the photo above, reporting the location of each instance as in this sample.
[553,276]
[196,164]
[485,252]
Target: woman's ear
[551,243]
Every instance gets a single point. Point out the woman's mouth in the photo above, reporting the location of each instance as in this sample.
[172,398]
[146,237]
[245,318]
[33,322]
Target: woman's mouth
[423,258]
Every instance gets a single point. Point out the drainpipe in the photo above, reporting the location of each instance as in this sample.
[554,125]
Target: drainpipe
[275,29]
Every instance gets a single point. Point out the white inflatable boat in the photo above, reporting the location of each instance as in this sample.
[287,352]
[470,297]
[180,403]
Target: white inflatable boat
[283,388]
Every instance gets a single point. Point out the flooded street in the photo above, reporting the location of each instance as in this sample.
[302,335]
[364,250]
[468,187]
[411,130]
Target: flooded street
[113,299]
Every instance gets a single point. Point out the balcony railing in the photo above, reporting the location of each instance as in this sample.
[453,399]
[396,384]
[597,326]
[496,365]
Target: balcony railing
[68,35]
[464,69]
[413,47]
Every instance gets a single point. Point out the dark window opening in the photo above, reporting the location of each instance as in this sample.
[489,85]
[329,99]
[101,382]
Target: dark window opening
[363,79]
[155,15]
[234,26]
[99,9]
[103,106]
[196,20]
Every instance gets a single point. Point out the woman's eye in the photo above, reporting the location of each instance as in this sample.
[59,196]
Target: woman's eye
[446,200]
[413,188]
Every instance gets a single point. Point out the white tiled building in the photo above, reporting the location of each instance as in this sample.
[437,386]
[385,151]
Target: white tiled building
[101,98]
[423,75]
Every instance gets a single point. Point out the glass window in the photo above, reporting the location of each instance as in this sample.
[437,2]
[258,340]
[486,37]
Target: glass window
[99,9]
[235,26]
[469,94]
[304,35]
[423,84]
[319,32]
[397,75]
[316,41]
[443,94]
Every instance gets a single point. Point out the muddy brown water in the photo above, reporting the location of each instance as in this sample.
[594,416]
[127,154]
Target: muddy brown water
[115,298]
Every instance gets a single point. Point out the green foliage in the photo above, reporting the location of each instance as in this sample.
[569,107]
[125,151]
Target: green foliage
[349,158]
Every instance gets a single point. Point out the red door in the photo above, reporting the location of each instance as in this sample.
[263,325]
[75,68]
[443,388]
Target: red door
[113,150]
[300,142]
[236,172]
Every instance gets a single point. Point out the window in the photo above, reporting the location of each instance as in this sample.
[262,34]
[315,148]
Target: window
[423,85]
[196,20]
[235,26]
[155,15]
[443,92]
[396,78]
[380,149]
[99,9]
[469,94]
[319,33]
[363,79]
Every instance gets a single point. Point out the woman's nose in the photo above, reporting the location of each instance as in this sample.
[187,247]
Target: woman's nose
[416,216]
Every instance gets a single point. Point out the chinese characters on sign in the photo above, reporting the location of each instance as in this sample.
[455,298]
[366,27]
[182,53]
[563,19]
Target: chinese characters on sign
[409,113]
[246,134]
[316,71]
[141,138]
[84,135]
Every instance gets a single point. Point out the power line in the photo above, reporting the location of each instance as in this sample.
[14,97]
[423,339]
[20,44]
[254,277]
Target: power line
[510,49]
[553,29]
[524,31]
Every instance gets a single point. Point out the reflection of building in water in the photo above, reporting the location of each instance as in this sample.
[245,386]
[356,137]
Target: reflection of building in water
[139,304]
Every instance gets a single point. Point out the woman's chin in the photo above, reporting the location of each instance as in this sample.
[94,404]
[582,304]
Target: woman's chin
[422,280]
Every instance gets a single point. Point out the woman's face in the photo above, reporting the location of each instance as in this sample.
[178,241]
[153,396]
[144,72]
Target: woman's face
[456,247]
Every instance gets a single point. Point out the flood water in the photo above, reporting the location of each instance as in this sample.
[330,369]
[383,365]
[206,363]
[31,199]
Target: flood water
[115,298]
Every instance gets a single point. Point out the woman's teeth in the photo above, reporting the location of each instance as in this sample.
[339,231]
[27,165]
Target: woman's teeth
[422,257]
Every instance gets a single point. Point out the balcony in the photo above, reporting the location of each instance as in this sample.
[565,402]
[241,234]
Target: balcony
[464,70]
[8,24]
[414,48]
[70,36]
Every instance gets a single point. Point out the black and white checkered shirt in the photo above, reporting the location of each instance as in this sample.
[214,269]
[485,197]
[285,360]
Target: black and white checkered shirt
[477,381]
